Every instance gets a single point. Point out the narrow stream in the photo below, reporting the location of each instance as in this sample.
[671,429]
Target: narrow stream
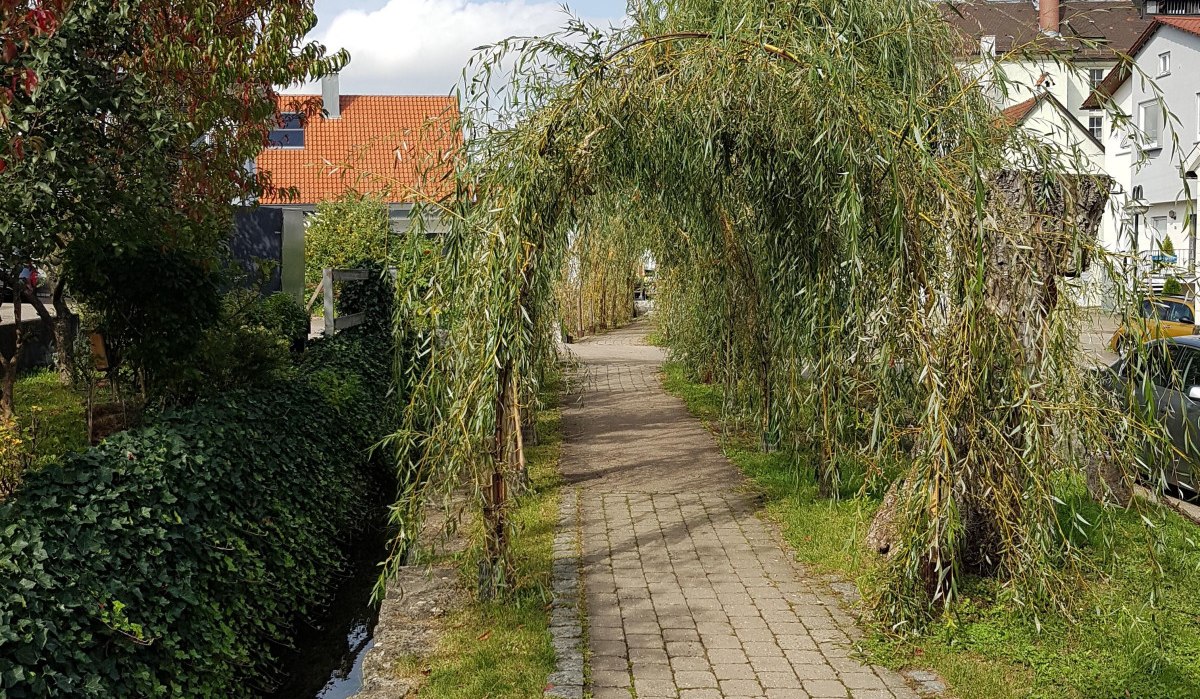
[327,662]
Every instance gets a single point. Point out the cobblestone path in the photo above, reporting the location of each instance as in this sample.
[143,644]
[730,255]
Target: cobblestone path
[688,594]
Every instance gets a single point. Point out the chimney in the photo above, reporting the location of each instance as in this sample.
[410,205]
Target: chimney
[987,46]
[331,97]
[1048,16]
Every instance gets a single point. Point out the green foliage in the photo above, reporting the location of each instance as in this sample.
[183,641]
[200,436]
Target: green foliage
[344,232]
[172,559]
[140,142]
[502,648]
[281,315]
[52,411]
[1167,247]
[152,303]
[1172,287]
[1125,633]
[850,243]
[374,296]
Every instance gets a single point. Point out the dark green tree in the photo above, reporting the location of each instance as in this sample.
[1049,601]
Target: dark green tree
[132,125]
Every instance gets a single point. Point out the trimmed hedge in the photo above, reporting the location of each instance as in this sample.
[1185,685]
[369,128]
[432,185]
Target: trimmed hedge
[172,560]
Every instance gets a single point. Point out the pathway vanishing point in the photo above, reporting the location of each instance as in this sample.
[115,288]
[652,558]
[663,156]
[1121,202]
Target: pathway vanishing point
[687,593]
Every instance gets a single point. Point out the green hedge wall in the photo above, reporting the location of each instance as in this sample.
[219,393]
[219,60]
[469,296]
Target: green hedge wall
[171,560]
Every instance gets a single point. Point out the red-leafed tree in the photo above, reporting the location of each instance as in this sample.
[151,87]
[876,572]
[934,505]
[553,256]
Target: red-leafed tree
[129,124]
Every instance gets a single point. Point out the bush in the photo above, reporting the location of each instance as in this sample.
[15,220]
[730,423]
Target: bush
[345,231]
[250,345]
[1172,287]
[172,559]
[151,302]
[282,316]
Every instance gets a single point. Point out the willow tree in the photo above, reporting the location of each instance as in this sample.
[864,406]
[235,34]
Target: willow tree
[850,239]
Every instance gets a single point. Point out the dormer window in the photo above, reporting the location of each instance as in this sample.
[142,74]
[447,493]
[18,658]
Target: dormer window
[289,132]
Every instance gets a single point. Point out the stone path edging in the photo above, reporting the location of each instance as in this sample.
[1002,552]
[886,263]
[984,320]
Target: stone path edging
[566,616]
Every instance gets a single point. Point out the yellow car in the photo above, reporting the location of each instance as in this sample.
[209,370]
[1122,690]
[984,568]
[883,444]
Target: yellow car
[1167,316]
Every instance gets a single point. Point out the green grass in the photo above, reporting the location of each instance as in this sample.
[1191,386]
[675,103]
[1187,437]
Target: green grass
[1128,632]
[55,410]
[502,649]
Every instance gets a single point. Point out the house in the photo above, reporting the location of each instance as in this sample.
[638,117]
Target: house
[323,146]
[1153,151]
[397,146]
[1052,121]
[1038,61]
[1061,48]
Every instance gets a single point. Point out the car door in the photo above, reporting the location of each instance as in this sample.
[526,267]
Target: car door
[1174,370]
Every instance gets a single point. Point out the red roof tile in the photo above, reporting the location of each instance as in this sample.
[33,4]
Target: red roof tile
[380,143]
[1090,29]
[1017,113]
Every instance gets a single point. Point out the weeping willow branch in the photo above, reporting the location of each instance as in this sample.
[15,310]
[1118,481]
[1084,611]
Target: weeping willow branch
[832,249]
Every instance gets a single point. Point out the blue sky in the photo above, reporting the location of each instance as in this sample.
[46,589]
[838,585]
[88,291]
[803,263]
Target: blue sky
[420,46]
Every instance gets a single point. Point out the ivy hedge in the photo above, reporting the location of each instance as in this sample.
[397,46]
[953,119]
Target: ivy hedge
[172,560]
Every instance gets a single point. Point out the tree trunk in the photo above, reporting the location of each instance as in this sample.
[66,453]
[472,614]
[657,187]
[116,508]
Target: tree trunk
[493,567]
[9,365]
[65,325]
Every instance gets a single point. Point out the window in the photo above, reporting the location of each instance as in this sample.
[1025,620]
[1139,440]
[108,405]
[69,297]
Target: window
[1096,127]
[289,132]
[1164,64]
[1095,77]
[1151,118]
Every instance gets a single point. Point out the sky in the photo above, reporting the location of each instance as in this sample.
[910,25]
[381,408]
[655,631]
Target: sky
[419,47]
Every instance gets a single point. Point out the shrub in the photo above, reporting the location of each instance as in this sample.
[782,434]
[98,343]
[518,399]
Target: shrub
[282,316]
[172,559]
[15,457]
[345,231]
[248,346]
[152,303]
[372,296]
[1172,287]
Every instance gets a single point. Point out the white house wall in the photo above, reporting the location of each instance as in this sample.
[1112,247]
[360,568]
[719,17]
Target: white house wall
[1159,174]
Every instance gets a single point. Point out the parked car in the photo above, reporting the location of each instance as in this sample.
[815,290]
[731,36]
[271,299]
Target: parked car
[1165,383]
[1160,317]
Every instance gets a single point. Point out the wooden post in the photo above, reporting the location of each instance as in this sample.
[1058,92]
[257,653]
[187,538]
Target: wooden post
[327,284]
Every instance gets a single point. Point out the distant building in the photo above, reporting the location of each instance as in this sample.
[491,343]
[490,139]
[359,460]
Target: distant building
[1028,40]
[1052,55]
[394,145]
[1155,155]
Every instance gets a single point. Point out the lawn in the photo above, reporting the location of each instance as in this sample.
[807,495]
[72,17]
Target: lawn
[502,649]
[1131,627]
[53,412]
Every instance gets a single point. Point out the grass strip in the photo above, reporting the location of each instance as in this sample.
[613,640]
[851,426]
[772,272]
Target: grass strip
[1132,628]
[502,648]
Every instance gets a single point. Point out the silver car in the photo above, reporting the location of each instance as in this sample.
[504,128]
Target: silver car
[1165,378]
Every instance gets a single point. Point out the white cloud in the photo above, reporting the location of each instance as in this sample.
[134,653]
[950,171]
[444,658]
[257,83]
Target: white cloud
[421,46]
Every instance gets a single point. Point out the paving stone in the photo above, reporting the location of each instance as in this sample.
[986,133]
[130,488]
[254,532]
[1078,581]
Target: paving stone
[689,679]
[733,671]
[825,689]
[684,585]
[741,688]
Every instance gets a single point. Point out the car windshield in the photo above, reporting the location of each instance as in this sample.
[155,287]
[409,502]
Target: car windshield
[1169,311]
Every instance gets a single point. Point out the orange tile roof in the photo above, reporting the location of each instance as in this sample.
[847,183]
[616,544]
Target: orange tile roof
[1017,113]
[399,143]
[1187,24]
